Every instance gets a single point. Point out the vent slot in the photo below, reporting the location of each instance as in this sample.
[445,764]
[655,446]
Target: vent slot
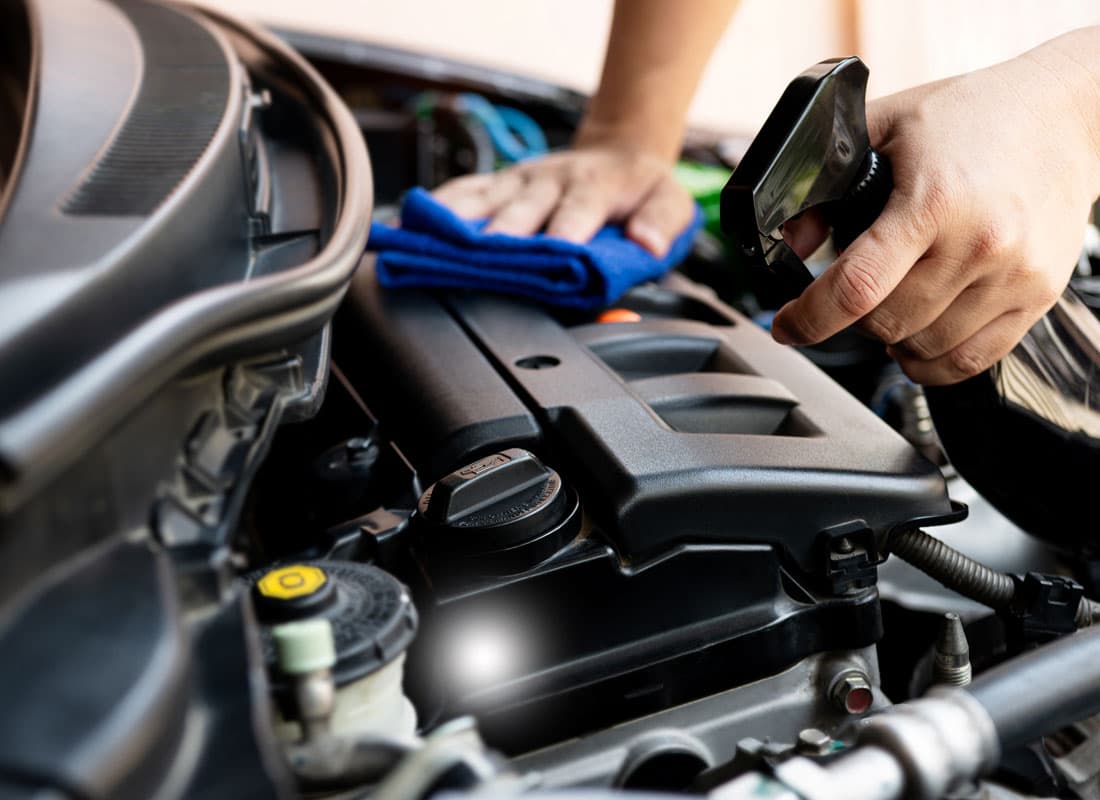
[723,404]
[644,355]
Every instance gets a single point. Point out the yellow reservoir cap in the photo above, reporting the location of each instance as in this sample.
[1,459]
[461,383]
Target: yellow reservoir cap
[292,582]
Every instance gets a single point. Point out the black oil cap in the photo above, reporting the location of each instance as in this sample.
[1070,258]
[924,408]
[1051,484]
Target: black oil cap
[373,618]
[507,503]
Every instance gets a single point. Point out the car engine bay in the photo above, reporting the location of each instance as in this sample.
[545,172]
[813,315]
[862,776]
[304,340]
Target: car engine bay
[271,530]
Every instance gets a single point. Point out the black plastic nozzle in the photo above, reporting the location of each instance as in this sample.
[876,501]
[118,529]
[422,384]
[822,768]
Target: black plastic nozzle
[813,151]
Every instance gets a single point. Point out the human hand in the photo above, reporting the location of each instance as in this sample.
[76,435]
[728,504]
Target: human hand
[994,173]
[572,194]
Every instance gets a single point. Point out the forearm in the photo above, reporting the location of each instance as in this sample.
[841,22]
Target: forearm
[655,56]
[1074,60]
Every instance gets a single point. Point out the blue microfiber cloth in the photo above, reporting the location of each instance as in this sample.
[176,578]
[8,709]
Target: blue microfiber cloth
[435,248]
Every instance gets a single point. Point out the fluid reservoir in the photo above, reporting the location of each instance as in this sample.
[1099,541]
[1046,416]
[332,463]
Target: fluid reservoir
[373,622]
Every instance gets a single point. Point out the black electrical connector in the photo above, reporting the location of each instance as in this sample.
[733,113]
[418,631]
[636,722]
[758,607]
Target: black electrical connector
[1044,607]
[851,558]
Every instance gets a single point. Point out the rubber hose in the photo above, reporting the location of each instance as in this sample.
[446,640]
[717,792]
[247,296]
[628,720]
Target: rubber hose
[954,570]
[1043,690]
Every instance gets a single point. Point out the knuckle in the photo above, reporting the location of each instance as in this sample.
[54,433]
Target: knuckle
[1030,286]
[938,196]
[932,196]
[585,173]
[965,362]
[884,325]
[925,295]
[994,239]
[858,288]
[1048,290]
[1019,275]
[486,189]
[920,347]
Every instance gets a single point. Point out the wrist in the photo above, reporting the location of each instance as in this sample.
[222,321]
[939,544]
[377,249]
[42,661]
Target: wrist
[634,133]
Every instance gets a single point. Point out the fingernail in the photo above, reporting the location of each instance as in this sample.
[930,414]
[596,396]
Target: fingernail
[650,238]
[569,233]
[569,236]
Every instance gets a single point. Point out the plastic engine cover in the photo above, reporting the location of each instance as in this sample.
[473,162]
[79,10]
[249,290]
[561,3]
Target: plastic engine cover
[715,469]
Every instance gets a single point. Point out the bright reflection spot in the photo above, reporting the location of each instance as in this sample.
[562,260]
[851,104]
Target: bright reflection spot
[484,650]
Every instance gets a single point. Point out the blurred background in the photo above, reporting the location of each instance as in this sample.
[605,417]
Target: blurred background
[768,43]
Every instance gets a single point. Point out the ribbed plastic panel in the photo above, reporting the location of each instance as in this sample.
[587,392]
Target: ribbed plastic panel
[179,105]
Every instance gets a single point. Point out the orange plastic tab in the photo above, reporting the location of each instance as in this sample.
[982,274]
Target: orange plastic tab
[619,315]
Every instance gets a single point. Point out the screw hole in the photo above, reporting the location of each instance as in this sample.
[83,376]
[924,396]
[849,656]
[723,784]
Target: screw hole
[537,362]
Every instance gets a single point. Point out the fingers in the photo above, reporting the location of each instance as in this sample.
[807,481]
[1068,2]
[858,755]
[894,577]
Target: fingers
[661,217]
[859,280]
[575,193]
[527,211]
[478,196]
[806,233]
[977,354]
[583,209]
[974,309]
[929,290]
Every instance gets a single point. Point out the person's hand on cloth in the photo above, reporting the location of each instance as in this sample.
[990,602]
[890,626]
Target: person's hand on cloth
[574,193]
[995,172]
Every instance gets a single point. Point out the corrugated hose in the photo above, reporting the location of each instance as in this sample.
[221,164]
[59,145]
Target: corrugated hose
[968,577]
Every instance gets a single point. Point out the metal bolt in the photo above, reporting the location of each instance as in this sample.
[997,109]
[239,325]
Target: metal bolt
[811,741]
[843,545]
[851,692]
[951,665]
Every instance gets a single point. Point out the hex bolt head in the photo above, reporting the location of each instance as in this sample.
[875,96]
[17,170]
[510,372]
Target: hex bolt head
[851,692]
[812,741]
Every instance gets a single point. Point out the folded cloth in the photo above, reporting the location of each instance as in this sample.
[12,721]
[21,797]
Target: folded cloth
[434,248]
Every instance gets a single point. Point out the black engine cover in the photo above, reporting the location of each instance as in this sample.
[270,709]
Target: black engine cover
[692,409]
[715,470]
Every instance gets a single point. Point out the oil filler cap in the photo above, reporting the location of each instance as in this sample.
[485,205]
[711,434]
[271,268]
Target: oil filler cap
[372,616]
[506,512]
